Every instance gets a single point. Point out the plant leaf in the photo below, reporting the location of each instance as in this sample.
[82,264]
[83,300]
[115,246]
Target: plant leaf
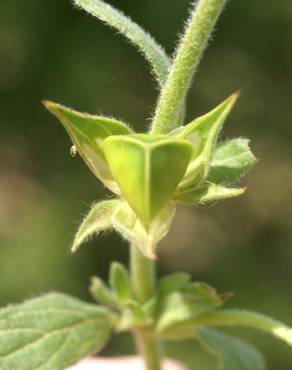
[128,225]
[232,353]
[98,219]
[88,133]
[147,169]
[151,50]
[231,160]
[203,134]
[120,282]
[172,283]
[50,333]
[102,294]
[208,193]
[178,308]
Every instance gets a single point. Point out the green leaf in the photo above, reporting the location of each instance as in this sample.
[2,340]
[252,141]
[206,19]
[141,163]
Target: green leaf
[172,283]
[51,333]
[178,308]
[98,219]
[208,193]
[231,353]
[152,51]
[148,170]
[88,133]
[120,282]
[102,294]
[128,225]
[231,160]
[203,134]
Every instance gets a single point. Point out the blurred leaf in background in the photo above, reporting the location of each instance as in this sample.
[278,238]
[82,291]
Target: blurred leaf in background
[48,50]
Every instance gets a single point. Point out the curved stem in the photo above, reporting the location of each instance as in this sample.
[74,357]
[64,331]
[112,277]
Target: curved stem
[189,53]
[143,282]
[246,318]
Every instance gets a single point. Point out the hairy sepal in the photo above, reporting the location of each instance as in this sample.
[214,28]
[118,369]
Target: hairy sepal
[88,133]
[207,193]
[203,134]
[126,222]
[152,51]
[231,160]
[51,332]
[98,219]
[148,170]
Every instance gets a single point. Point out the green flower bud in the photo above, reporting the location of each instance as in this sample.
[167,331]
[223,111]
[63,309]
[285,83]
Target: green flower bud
[148,169]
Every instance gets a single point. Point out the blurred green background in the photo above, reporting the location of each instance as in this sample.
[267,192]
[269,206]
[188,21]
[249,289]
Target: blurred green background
[49,50]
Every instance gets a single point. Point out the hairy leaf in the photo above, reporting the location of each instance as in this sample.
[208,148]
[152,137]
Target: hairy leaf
[148,170]
[173,282]
[208,193]
[128,225]
[102,294]
[98,219]
[51,333]
[203,134]
[88,133]
[231,160]
[120,282]
[152,51]
[178,308]
[231,353]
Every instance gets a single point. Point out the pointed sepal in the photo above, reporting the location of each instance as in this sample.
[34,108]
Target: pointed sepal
[147,169]
[88,133]
[98,219]
[203,134]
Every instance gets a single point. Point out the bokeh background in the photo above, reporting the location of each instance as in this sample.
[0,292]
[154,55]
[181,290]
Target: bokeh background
[49,50]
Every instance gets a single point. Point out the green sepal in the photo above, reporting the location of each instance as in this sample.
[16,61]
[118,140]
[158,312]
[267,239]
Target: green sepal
[147,169]
[231,353]
[208,193]
[51,332]
[88,133]
[120,282]
[230,161]
[203,134]
[102,294]
[98,219]
[178,308]
[125,221]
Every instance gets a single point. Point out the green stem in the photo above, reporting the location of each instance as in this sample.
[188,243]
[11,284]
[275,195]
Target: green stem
[143,281]
[246,318]
[187,59]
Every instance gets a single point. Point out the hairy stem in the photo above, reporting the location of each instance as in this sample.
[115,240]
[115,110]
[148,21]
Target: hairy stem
[143,281]
[189,53]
